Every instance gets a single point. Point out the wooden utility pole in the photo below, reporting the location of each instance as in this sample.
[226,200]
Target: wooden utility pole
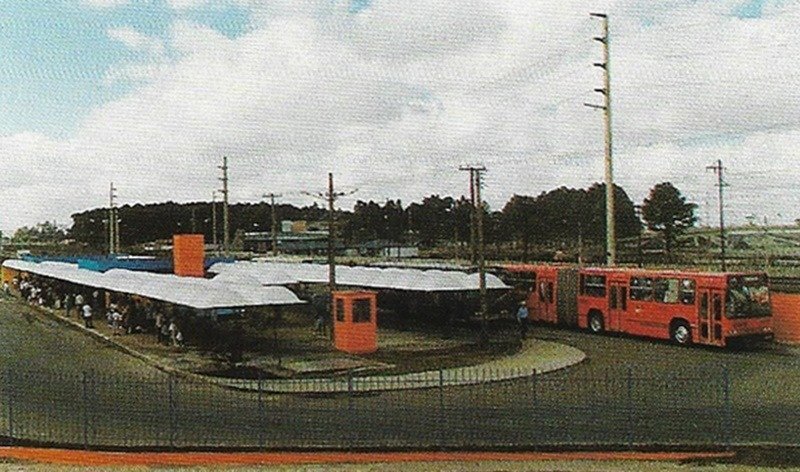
[112,217]
[225,218]
[477,228]
[214,219]
[274,216]
[611,236]
[718,169]
[472,231]
[481,260]
[330,196]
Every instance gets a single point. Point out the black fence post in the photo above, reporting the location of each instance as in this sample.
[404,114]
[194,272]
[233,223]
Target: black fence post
[629,395]
[85,404]
[441,427]
[262,441]
[350,410]
[10,395]
[727,408]
[171,403]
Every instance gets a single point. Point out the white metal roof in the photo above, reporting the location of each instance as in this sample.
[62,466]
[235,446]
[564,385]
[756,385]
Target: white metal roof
[192,292]
[268,273]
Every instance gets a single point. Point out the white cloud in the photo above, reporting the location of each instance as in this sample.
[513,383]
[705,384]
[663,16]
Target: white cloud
[105,3]
[394,98]
[136,40]
[186,4]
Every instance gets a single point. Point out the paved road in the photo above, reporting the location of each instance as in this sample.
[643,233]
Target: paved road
[630,391]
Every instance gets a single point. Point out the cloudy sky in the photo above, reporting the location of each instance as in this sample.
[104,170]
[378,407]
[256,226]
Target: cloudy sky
[392,96]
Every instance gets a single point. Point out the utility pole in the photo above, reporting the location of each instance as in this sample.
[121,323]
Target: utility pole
[274,217]
[639,252]
[475,185]
[331,236]
[225,219]
[718,169]
[473,170]
[214,219]
[330,196]
[611,237]
[112,218]
[472,231]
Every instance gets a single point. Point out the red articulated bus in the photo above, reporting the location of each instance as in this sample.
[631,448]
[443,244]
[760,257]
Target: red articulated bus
[683,306]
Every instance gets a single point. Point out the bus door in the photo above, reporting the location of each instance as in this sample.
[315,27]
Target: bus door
[546,299]
[617,305]
[710,316]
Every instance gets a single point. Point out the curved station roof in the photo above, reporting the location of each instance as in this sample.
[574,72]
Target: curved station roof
[417,280]
[196,293]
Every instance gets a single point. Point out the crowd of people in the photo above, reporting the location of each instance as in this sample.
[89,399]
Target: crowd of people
[125,314]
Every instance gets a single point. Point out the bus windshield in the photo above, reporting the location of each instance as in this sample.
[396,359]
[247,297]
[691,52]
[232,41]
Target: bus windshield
[748,296]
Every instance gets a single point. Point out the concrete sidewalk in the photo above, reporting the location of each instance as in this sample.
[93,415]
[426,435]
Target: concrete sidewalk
[536,357]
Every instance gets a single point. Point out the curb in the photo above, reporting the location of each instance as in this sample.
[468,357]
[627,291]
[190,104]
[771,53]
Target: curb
[88,458]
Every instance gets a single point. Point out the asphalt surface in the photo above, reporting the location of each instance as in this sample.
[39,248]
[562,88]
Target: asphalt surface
[59,386]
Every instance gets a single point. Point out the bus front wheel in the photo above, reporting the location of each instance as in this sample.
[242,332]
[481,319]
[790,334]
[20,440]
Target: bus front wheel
[595,322]
[681,333]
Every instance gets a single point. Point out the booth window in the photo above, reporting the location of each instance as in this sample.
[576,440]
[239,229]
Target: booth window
[340,310]
[361,311]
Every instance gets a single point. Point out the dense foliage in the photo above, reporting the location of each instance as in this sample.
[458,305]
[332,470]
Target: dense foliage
[560,219]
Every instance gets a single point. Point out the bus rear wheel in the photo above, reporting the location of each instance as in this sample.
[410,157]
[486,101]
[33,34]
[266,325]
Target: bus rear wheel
[681,333]
[596,322]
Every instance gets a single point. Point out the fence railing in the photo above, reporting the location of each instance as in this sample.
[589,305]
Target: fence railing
[622,407]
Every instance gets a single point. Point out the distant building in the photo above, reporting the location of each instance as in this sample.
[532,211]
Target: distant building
[311,238]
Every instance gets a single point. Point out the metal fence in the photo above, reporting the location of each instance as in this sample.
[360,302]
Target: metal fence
[620,407]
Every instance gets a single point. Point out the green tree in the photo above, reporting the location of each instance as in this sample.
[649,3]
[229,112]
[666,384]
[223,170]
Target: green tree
[666,211]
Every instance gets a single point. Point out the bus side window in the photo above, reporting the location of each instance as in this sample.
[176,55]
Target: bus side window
[641,289]
[593,285]
[635,292]
[550,292]
[687,292]
[612,298]
[542,286]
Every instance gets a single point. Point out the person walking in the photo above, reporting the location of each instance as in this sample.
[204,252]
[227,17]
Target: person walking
[87,316]
[522,320]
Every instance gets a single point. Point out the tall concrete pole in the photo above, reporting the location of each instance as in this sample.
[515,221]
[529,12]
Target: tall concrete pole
[611,237]
[225,218]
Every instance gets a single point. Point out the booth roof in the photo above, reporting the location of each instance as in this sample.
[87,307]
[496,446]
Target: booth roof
[283,273]
[191,292]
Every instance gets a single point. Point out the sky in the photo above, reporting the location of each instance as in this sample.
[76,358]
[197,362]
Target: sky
[392,97]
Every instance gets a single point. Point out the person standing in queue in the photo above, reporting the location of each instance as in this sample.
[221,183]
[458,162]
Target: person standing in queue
[522,319]
[87,315]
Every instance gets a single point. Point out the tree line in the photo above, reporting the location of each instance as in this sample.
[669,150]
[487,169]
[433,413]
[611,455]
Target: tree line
[560,220]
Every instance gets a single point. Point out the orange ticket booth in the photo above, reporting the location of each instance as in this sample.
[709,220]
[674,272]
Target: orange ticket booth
[188,255]
[355,325]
